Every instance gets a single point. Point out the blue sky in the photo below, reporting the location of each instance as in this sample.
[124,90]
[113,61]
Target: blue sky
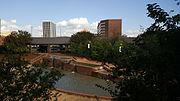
[21,14]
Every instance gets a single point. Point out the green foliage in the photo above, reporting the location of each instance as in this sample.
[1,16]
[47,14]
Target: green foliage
[2,49]
[105,50]
[100,49]
[82,49]
[22,82]
[79,49]
[163,21]
[152,65]
[81,37]
[79,43]
[73,48]
[17,42]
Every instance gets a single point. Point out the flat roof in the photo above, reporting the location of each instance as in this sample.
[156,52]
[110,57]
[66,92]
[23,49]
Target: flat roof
[46,21]
[50,40]
[112,20]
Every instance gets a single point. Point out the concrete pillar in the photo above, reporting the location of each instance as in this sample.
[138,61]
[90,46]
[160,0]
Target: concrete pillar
[66,47]
[30,48]
[49,49]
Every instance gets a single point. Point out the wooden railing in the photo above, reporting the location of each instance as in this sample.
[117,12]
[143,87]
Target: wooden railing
[38,58]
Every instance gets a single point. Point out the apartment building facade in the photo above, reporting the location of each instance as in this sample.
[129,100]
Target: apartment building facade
[49,29]
[110,28]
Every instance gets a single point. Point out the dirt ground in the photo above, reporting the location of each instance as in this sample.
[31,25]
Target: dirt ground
[29,57]
[26,57]
[79,59]
[74,96]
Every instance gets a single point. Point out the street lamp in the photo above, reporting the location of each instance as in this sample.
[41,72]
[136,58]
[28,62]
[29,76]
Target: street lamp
[120,48]
[89,45]
[89,51]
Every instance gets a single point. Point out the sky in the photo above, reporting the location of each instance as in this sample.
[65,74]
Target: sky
[71,16]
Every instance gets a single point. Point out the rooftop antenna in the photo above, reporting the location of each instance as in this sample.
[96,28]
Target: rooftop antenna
[31,29]
[60,30]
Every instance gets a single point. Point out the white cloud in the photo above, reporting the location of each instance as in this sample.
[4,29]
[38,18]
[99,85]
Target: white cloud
[37,31]
[132,33]
[71,26]
[9,26]
[63,28]
[79,21]
[13,21]
[62,23]
[4,23]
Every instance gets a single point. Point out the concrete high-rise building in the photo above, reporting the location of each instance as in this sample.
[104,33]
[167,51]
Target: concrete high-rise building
[110,28]
[49,29]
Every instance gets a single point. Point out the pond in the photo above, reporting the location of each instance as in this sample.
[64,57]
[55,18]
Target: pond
[55,57]
[81,83]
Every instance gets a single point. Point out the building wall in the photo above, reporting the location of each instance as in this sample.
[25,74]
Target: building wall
[114,28]
[46,29]
[49,29]
[1,40]
[110,28]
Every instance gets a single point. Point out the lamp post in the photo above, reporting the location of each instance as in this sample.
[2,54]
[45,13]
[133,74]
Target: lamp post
[89,51]
[120,48]
[89,45]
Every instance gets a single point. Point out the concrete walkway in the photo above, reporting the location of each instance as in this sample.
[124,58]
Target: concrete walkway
[63,95]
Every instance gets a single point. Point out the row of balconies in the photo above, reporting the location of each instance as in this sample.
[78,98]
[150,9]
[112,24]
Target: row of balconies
[101,28]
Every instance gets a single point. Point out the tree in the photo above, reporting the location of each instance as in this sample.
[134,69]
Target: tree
[81,37]
[160,45]
[100,49]
[3,49]
[79,42]
[105,50]
[21,82]
[152,64]
[17,42]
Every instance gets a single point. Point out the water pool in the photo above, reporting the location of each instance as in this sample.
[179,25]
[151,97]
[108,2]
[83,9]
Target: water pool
[82,84]
[55,57]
